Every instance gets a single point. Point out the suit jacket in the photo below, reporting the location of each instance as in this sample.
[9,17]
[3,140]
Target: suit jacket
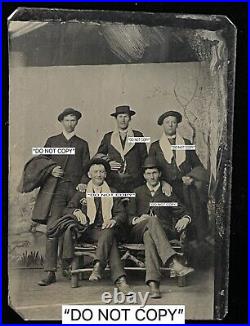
[134,158]
[37,173]
[170,172]
[140,204]
[73,165]
[118,212]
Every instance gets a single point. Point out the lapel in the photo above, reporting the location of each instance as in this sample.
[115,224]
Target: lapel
[115,141]
[71,140]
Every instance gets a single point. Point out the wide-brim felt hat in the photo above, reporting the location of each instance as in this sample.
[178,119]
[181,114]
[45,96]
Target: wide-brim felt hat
[97,160]
[169,114]
[123,109]
[69,111]
[150,163]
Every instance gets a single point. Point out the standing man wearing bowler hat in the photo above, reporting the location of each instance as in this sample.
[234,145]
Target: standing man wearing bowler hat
[125,158]
[68,171]
[183,170]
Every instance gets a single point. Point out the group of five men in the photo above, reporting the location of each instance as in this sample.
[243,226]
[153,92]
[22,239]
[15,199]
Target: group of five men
[162,176]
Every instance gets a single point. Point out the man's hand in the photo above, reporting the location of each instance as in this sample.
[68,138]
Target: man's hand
[81,217]
[182,223]
[115,166]
[57,172]
[109,224]
[187,180]
[81,187]
[143,217]
[166,189]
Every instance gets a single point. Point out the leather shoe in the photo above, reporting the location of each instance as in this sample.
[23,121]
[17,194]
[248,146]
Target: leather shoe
[154,290]
[51,278]
[180,269]
[96,274]
[123,286]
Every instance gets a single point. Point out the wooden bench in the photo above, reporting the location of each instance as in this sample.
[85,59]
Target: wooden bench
[129,252]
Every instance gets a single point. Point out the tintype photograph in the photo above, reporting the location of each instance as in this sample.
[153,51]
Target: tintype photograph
[120,130]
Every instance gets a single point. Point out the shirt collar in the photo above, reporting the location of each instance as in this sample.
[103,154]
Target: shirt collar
[153,188]
[68,135]
[97,189]
[171,137]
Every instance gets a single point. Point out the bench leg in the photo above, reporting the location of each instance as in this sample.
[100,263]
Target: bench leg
[182,281]
[74,277]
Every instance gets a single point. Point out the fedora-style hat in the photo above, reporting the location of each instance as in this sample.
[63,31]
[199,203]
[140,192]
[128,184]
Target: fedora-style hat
[68,111]
[97,160]
[169,114]
[123,109]
[150,163]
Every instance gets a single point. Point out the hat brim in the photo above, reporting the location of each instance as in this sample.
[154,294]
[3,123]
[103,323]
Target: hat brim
[77,114]
[98,161]
[177,115]
[151,167]
[131,113]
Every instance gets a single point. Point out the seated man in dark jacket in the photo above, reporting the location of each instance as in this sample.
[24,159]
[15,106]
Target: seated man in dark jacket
[104,216]
[150,219]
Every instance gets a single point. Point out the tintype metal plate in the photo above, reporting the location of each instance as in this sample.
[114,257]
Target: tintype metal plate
[95,61]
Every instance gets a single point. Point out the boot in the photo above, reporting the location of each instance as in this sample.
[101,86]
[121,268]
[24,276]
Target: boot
[154,290]
[51,278]
[180,269]
[123,286]
[96,274]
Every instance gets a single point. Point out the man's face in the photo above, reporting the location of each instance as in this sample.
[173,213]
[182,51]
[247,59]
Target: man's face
[152,176]
[170,125]
[123,120]
[97,174]
[69,122]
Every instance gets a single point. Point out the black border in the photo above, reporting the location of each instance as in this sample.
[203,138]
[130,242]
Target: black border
[237,13]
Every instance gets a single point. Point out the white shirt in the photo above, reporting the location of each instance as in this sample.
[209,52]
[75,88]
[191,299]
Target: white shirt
[68,135]
[153,189]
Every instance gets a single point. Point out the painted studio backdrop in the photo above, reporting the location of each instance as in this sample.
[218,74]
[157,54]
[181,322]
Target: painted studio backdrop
[54,66]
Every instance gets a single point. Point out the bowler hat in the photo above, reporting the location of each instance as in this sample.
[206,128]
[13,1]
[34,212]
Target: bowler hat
[170,114]
[69,111]
[123,109]
[150,163]
[97,160]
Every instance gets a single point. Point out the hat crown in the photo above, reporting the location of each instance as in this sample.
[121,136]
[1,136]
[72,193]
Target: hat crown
[123,109]
[69,111]
[150,162]
[175,114]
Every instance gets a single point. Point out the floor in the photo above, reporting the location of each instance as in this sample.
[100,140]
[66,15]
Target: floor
[33,302]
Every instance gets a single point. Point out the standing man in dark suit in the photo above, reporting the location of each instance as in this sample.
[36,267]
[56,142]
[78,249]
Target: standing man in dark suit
[68,171]
[183,170]
[125,158]
[154,223]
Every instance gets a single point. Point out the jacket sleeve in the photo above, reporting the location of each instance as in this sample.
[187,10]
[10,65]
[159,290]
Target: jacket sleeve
[178,211]
[85,161]
[48,144]
[118,212]
[152,152]
[193,157]
[74,203]
[103,148]
[143,152]
[131,209]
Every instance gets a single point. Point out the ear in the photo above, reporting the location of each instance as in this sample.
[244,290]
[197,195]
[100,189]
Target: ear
[89,175]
